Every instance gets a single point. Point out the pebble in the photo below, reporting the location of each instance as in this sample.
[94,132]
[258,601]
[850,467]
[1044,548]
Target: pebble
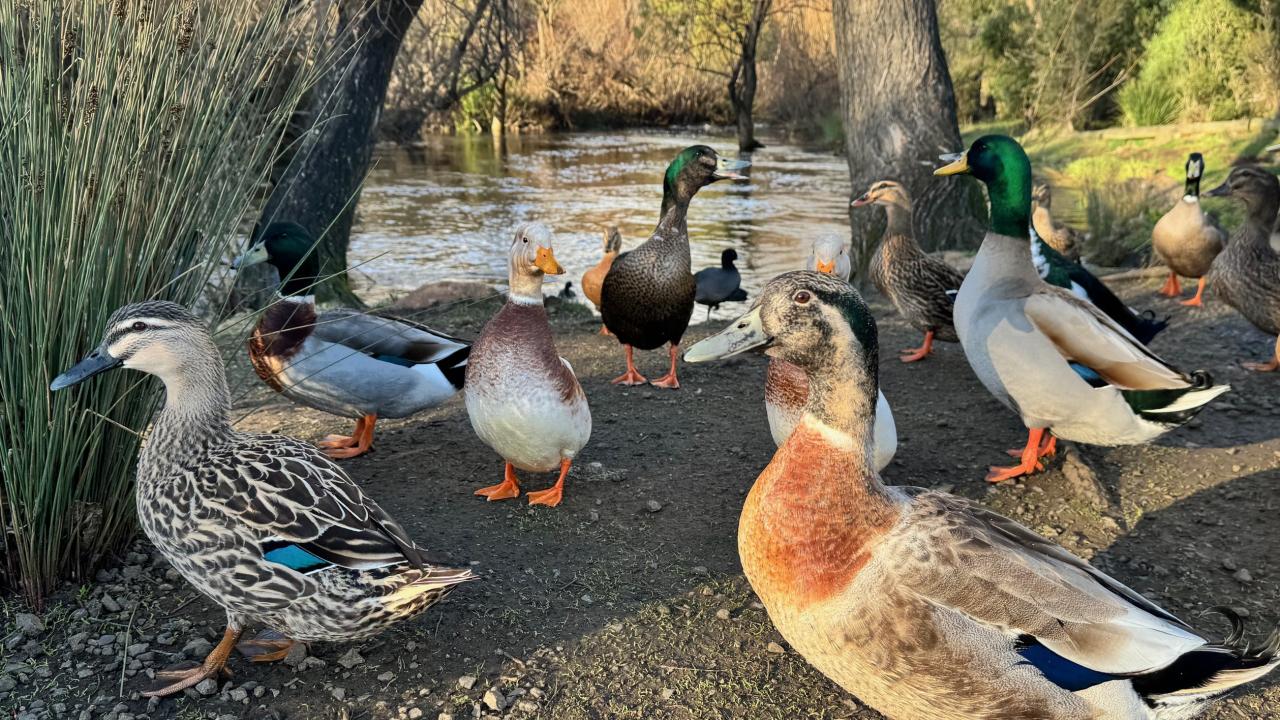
[653,506]
[7,683]
[527,706]
[1229,564]
[775,648]
[338,693]
[351,659]
[386,677]
[29,624]
[466,682]
[196,648]
[494,700]
[110,604]
[1243,575]
[207,687]
[444,716]
[722,614]
[415,713]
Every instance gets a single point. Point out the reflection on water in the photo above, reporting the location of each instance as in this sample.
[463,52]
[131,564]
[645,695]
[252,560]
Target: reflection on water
[448,210]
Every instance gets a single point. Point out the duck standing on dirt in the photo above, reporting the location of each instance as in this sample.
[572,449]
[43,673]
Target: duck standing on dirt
[264,525]
[924,605]
[593,279]
[719,284]
[342,361]
[1062,364]
[648,294]
[1059,237]
[1246,275]
[1186,239]
[523,399]
[921,287]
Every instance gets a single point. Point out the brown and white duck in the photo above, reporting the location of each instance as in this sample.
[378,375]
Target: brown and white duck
[1186,239]
[523,399]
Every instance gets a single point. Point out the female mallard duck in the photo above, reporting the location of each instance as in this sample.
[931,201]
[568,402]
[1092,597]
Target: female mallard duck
[921,287]
[593,279]
[829,255]
[1246,275]
[1059,362]
[341,361]
[523,398]
[719,284]
[647,296]
[264,525]
[1058,237]
[925,605]
[1186,239]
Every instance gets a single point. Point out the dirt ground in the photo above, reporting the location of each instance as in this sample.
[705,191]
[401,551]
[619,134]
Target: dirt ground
[627,601]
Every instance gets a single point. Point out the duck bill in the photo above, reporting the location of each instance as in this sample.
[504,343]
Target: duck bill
[865,199]
[98,361]
[956,164]
[545,261]
[825,266]
[1223,190]
[727,169]
[745,333]
[255,255]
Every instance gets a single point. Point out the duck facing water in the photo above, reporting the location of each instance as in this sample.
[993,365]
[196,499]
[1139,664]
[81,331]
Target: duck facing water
[922,604]
[264,525]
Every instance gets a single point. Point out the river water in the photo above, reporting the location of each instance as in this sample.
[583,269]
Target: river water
[448,210]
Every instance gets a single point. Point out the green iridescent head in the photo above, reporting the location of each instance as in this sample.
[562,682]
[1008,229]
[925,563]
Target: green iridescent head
[694,168]
[289,247]
[1002,165]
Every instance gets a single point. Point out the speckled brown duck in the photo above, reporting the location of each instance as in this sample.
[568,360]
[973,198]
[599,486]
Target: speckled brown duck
[1186,239]
[921,287]
[648,293]
[523,399]
[1059,237]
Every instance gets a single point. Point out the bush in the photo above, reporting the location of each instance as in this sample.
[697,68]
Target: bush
[135,136]
[1120,216]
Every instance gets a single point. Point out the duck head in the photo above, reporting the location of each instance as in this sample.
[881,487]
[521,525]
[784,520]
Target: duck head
[727,257]
[612,240]
[1195,169]
[694,168]
[1258,189]
[885,193]
[1042,195]
[156,337]
[829,256]
[290,248]
[1002,165]
[531,258]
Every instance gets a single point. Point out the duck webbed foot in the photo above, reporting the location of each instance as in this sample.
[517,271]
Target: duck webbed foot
[1198,300]
[631,376]
[358,444]
[508,488]
[266,646]
[1171,286]
[670,380]
[552,496]
[920,353]
[1270,366]
[1040,443]
[213,667]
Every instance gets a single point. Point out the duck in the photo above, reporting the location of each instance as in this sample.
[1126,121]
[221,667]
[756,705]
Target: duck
[1068,369]
[566,292]
[523,398]
[722,284]
[921,287]
[342,361]
[1186,239]
[648,294]
[1059,237]
[593,278]
[927,606]
[786,390]
[830,255]
[1246,274]
[265,526]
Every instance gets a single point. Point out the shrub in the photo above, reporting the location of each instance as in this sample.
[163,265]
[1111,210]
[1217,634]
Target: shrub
[1120,215]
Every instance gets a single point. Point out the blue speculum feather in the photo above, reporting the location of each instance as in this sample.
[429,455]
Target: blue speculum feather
[1088,375]
[295,558]
[1060,671]
[395,360]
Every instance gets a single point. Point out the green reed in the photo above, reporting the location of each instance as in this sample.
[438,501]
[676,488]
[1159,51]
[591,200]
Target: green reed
[135,137]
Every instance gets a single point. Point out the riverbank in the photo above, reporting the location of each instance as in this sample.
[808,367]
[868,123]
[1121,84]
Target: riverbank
[627,601]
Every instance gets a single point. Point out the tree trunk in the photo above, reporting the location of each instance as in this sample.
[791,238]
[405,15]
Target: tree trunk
[899,115]
[320,187]
[743,79]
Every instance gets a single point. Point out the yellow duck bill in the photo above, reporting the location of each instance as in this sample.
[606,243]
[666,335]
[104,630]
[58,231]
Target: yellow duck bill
[956,164]
[745,333]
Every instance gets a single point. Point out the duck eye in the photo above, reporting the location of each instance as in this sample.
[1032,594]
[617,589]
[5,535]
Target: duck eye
[801,297]
[139,326]
[524,240]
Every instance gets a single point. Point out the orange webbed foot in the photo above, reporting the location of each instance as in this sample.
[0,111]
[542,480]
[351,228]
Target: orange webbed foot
[363,440]
[505,490]
[669,381]
[550,497]
[630,377]
[1171,287]
[1271,366]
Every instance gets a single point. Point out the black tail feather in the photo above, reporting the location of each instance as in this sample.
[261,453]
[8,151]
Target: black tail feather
[454,366]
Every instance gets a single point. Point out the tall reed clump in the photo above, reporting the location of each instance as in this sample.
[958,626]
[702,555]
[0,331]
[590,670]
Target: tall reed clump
[134,136]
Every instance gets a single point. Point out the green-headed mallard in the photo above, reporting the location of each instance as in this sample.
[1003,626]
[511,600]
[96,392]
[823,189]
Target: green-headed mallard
[1246,274]
[523,399]
[924,605]
[921,287]
[1061,363]
[719,284]
[648,293]
[264,525]
[348,363]
[1186,239]
[1059,237]
[593,279]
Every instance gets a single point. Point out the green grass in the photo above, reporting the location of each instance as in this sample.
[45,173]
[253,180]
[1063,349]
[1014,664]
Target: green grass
[135,138]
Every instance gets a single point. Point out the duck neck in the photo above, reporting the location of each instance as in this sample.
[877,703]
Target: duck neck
[842,404]
[1010,193]
[1192,187]
[898,220]
[1262,212]
[526,288]
[196,406]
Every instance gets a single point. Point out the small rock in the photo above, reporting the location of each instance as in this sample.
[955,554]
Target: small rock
[110,604]
[722,614]
[494,700]
[527,706]
[775,648]
[653,506]
[466,682]
[29,624]
[196,649]
[415,713]
[667,693]
[7,683]
[238,694]
[338,694]
[351,659]
[207,687]
[296,656]
[444,716]
[1229,564]
[1243,575]
[386,677]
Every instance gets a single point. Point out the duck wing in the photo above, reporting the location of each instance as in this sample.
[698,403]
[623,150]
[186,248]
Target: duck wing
[389,337]
[1057,270]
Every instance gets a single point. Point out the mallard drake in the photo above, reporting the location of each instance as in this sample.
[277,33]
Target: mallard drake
[1062,364]
[921,287]
[1186,239]
[523,399]
[648,293]
[344,362]
[924,605]
[1059,237]
[719,284]
[264,525]
[593,279]
[830,255]
[1246,274]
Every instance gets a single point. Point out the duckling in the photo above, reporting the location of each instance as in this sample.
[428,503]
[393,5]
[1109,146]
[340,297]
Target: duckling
[593,279]
[523,399]
[1246,275]
[1186,239]
[719,284]
[921,287]
[342,361]
[830,255]
[1063,365]
[1059,237]
[264,525]
[648,294]
[924,605]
